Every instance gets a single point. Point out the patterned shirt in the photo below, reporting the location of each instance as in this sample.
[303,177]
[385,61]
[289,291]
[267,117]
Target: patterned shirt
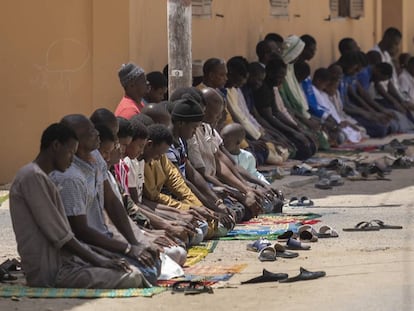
[82,190]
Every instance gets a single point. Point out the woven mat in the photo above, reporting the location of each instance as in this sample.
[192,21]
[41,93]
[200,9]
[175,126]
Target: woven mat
[197,253]
[37,292]
[207,274]
[270,226]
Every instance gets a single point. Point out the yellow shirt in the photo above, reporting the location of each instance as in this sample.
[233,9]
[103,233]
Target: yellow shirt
[162,173]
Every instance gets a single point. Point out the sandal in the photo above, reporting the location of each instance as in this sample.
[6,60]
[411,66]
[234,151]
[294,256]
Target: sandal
[382,225]
[327,232]
[6,275]
[258,245]
[191,288]
[364,226]
[267,254]
[304,275]
[283,253]
[296,245]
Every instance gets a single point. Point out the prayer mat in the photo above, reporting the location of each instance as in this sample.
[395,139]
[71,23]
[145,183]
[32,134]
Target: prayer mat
[207,274]
[270,226]
[38,292]
[196,253]
[3,198]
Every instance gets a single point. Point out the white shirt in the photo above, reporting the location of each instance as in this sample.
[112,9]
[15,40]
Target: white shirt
[135,175]
[407,84]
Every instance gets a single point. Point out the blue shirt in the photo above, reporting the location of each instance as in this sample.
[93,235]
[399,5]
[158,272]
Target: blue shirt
[364,77]
[314,108]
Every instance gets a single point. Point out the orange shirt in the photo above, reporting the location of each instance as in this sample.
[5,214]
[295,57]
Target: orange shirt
[128,108]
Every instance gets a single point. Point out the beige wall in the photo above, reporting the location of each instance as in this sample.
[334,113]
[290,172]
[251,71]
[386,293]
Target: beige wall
[61,57]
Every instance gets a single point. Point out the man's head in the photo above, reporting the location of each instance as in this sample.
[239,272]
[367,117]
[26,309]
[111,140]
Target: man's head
[188,92]
[107,145]
[60,143]
[403,60]
[158,87]
[257,74]
[381,72]
[158,113]
[133,80]
[125,135]
[215,73]
[350,63]
[85,130]
[335,77]
[266,50]
[103,116]
[292,48]
[347,45]
[186,115]
[233,134]
[302,70]
[214,106]
[159,140]
[276,72]
[310,48]
[278,39]
[237,71]
[373,57]
[391,40]
[135,149]
[321,78]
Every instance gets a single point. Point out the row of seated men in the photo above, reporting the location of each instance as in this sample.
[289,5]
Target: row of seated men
[110,197]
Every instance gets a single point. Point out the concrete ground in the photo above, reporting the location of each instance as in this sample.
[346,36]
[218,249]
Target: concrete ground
[364,270]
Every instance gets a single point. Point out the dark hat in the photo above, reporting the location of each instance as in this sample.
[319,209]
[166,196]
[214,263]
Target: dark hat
[129,72]
[187,110]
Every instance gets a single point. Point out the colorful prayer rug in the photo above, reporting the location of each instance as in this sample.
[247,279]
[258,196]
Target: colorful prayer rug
[270,226]
[37,292]
[207,274]
[197,253]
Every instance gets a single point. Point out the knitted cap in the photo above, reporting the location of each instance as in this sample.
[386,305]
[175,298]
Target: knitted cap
[129,72]
[187,110]
[292,48]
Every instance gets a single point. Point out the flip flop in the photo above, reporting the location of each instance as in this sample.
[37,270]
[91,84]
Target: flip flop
[296,245]
[304,275]
[258,245]
[286,236]
[363,226]
[327,232]
[267,276]
[382,225]
[267,254]
[283,253]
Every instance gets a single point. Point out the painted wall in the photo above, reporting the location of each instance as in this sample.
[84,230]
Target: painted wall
[59,57]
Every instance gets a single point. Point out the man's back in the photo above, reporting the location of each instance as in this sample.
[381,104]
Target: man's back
[40,225]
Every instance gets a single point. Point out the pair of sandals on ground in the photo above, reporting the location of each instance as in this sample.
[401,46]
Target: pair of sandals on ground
[305,233]
[372,225]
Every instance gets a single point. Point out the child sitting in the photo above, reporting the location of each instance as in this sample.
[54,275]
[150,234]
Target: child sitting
[232,135]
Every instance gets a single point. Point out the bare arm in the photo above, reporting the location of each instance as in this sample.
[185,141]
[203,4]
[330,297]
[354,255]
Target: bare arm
[117,214]
[91,236]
